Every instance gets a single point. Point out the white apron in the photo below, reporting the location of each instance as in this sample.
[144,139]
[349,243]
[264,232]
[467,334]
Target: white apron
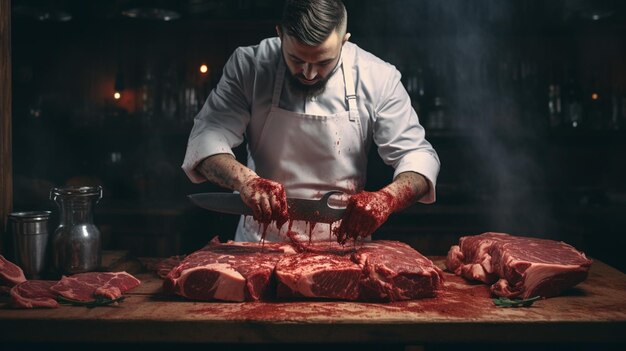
[310,155]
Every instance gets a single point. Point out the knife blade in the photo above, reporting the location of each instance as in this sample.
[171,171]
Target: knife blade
[299,209]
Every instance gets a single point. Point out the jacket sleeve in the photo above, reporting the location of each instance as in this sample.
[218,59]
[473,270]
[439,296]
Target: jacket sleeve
[221,123]
[400,138]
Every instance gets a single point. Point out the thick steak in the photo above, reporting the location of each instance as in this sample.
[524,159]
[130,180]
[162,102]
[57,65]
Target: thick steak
[372,271]
[228,272]
[518,266]
[316,275]
[394,271]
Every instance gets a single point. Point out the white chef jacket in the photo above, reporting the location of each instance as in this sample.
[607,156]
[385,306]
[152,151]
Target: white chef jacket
[240,103]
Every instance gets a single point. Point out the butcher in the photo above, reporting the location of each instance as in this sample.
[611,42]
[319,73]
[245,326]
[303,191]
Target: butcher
[310,104]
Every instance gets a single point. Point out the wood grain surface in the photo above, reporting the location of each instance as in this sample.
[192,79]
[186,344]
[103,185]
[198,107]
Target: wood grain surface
[594,311]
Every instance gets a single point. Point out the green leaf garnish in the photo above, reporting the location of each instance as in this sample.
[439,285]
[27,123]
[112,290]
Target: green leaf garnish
[99,301]
[506,302]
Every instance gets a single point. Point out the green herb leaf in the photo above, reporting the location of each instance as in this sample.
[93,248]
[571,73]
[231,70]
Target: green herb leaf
[99,301]
[506,302]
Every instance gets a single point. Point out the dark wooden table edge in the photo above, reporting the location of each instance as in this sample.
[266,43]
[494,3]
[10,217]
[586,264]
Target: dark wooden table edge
[201,331]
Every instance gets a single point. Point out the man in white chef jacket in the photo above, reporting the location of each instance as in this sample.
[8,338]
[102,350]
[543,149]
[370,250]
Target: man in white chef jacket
[310,105]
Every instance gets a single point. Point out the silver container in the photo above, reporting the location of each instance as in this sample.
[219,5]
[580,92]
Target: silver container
[76,245]
[30,241]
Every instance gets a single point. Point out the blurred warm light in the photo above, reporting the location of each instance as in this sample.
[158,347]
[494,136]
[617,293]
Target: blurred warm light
[117,95]
[594,96]
[204,69]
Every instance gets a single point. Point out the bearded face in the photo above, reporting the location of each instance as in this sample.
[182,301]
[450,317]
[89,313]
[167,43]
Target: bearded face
[310,67]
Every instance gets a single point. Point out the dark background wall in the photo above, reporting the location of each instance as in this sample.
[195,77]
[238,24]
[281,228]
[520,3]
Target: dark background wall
[525,101]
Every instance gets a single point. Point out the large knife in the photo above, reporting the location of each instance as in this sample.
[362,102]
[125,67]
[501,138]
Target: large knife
[299,209]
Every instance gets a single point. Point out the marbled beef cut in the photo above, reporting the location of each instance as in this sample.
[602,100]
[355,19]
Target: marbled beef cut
[393,271]
[380,270]
[319,276]
[229,272]
[371,271]
[518,266]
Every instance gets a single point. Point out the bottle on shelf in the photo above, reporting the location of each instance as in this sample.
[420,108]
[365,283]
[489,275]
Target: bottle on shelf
[613,110]
[554,106]
[169,90]
[415,87]
[436,114]
[572,102]
[618,110]
[148,96]
[437,109]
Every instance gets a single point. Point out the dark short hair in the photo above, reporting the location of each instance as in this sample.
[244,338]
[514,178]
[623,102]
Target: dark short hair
[312,21]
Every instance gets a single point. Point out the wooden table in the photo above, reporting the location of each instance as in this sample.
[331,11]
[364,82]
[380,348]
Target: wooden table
[594,311]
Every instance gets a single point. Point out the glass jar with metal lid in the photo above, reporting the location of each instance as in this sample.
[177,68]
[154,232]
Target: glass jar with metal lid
[76,245]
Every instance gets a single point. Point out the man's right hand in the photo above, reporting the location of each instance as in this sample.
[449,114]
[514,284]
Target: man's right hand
[267,199]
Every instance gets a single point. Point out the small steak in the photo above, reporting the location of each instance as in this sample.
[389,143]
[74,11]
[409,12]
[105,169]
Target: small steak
[518,266]
[10,273]
[87,286]
[34,294]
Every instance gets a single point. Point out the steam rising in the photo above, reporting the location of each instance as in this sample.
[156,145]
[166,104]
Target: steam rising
[491,88]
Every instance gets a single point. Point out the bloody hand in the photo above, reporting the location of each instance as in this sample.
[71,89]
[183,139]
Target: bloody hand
[267,199]
[366,211]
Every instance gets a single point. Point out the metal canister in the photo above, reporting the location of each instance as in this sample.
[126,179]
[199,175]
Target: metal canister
[30,241]
[76,245]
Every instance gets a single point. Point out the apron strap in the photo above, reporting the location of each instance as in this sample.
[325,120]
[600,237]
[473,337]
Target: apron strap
[278,82]
[350,91]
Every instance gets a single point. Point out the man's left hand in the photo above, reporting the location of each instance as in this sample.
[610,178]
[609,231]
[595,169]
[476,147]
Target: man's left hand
[366,211]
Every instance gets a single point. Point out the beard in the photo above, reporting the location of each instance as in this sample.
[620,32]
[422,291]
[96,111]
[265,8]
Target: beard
[305,90]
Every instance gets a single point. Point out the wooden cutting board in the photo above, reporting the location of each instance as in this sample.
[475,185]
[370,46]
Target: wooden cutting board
[594,311]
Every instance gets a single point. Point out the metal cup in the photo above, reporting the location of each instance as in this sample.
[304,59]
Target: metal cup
[30,241]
